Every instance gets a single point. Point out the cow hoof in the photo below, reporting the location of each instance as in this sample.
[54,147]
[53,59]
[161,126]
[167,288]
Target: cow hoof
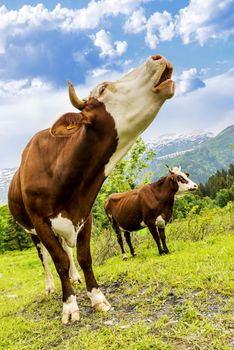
[73,317]
[134,254]
[50,290]
[125,257]
[98,300]
[50,287]
[76,279]
[70,310]
[104,307]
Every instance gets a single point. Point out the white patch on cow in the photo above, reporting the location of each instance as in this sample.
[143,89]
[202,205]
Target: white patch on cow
[48,275]
[63,227]
[74,274]
[98,300]
[133,104]
[184,187]
[70,310]
[160,222]
[142,224]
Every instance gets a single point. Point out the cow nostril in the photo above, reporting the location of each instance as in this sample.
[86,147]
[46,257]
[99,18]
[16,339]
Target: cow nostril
[156,57]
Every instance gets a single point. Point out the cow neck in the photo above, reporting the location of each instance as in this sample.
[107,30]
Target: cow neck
[88,159]
[165,189]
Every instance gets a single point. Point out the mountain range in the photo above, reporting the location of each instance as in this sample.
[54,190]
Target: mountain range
[199,153]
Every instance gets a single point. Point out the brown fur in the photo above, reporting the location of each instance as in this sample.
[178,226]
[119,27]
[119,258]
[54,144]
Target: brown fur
[63,175]
[129,210]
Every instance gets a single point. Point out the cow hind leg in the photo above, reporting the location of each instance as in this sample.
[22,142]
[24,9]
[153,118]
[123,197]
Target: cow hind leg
[98,300]
[44,257]
[128,240]
[119,239]
[74,274]
[61,260]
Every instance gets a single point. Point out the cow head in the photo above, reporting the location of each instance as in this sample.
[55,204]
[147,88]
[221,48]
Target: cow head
[132,101]
[183,182]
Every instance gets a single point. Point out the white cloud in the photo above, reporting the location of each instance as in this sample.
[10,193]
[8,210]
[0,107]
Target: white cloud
[159,27]
[102,40]
[188,81]
[121,47]
[210,108]
[136,22]
[202,20]
[199,21]
[23,87]
[99,72]
[28,18]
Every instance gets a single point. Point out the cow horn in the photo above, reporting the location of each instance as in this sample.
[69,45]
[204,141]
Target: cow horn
[75,101]
[168,167]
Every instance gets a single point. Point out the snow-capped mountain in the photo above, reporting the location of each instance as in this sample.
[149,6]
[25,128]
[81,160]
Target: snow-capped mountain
[171,145]
[5,178]
[199,154]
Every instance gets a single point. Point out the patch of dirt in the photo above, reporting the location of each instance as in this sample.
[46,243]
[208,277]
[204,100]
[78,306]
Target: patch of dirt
[129,308]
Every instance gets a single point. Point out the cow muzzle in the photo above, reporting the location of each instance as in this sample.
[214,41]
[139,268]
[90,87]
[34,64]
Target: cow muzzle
[194,188]
[162,82]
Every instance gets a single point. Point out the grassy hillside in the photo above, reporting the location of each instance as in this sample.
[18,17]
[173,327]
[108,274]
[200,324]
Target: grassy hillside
[213,154]
[181,301]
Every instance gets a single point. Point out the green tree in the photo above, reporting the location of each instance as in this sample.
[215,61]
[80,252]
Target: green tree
[132,171]
[12,236]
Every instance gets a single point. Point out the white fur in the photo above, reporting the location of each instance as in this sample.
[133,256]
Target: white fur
[74,274]
[183,188]
[160,222]
[133,104]
[98,300]
[70,309]
[32,231]
[48,275]
[96,296]
[64,228]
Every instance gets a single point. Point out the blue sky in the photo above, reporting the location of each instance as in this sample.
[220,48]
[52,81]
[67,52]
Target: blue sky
[44,44]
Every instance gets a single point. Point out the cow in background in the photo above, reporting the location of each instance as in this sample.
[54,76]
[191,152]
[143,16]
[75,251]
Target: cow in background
[63,168]
[148,206]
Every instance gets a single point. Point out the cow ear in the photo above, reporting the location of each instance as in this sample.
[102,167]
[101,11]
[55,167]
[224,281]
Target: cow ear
[68,124]
[173,177]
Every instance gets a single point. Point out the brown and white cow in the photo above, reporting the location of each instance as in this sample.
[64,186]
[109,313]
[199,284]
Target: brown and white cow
[148,206]
[63,168]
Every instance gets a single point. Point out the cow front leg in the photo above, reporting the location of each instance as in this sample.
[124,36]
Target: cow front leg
[61,260]
[154,232]
[98,300]
[128,240]
[44,257]
[161,231]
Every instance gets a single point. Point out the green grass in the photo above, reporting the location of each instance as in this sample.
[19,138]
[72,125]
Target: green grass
[181,301]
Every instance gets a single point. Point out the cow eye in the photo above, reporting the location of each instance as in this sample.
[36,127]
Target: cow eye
[102,89]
